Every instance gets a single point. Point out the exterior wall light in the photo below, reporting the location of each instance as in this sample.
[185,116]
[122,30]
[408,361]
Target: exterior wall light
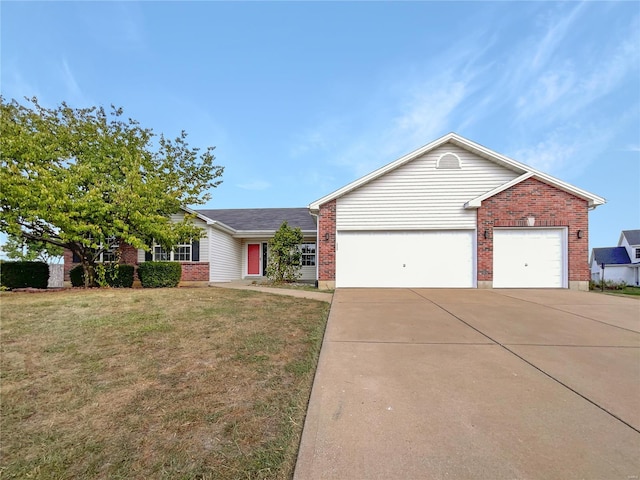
[579,233]
[326,237]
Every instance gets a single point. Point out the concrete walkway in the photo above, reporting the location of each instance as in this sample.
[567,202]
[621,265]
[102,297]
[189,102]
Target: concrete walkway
[475,384]
[291,292]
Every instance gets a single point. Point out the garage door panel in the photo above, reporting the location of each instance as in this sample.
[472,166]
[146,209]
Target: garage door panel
[405,259]
[531,258]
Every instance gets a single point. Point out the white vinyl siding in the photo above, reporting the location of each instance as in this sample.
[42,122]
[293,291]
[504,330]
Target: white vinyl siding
[418,196]
[308,272]
[225,257]
[406,259]
[529,258]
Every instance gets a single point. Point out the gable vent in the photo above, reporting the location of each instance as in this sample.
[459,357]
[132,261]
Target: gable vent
[448,161]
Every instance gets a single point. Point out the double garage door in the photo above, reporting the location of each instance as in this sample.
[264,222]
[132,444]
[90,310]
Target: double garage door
[523,258]
[405,259]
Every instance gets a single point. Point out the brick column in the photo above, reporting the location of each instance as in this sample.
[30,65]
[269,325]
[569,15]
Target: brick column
[327,245]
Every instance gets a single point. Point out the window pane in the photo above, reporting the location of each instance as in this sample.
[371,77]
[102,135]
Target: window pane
[109,256]
[308,254]
[160,255]
[182,253]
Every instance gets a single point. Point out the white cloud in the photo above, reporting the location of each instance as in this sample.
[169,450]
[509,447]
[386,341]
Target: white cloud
[558,29]
[567,151]
[74,94]
[542,94]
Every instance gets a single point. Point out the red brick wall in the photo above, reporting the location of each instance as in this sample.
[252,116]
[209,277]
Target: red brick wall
[128,254]
[68,264]
[327,241]
[195,272]
[550,206]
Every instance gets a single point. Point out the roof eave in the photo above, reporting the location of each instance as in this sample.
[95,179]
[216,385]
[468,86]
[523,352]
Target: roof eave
[315,206]
[222,226]
[593,200]
[267,233]
[204,218]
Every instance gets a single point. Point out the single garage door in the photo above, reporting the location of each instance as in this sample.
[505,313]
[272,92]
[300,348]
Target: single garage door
[529,258]
[405,259]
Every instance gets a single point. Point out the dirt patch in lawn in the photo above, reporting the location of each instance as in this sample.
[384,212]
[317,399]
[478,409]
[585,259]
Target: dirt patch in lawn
[167,383]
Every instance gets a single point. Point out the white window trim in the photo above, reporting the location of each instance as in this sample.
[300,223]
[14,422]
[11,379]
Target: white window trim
[172,253]
[113,248]
[313,255]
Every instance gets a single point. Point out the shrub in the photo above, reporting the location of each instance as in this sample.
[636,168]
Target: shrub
[120,277]
[76,275]
[613,285]
[115,275]
[159,274]
[24,274]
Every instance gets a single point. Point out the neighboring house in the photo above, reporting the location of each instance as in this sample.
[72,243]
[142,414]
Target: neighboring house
[235,245]
[618,264]
[450,214]
[454,214]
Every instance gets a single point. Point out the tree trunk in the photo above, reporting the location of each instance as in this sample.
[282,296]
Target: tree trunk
[89,272]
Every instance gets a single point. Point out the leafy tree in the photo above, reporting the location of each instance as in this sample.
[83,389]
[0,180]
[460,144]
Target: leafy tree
[18,248]
[284,263]
[78,178]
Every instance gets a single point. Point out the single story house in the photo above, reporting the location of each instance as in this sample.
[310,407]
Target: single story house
[234,245]
[618,264]
[450,214]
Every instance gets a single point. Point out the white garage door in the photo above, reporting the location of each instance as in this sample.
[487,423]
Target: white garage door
[531,258]
[405,259]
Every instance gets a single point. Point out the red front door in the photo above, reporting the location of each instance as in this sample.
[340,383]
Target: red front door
[253,263]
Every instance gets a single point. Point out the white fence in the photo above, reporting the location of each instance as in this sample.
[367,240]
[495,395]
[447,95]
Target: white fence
[56,275]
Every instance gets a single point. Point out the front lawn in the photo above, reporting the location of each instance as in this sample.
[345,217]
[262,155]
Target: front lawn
[627,290]
[168,383]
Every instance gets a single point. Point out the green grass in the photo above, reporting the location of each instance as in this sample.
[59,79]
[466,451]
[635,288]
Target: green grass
[628,290]
[164,383]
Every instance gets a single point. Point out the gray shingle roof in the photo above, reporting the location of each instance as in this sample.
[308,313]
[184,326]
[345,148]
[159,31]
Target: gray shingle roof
[633,236]
[611,256]
[262,218]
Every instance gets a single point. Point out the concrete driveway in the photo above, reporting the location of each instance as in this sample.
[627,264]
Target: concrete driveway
[475,384]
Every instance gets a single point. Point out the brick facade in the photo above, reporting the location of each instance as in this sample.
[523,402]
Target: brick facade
[195,272]
[68,264]
[551,207]
[327,242]
[191,271]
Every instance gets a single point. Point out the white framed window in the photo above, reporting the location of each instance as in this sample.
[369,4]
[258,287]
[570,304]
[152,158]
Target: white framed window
[181,253]
[637,252]
[110,253]
[308,254]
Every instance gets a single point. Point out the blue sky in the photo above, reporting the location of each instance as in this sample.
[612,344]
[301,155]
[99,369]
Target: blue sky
[301,98]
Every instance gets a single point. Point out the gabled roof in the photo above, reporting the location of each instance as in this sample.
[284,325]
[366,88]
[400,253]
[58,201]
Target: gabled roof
[632,236]
[611,256]
[524,170]
[261,219]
